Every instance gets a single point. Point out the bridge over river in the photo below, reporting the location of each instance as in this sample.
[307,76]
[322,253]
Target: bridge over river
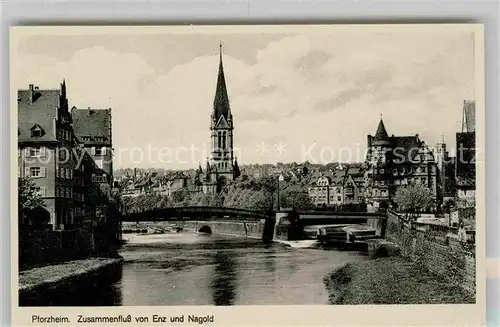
[255,224]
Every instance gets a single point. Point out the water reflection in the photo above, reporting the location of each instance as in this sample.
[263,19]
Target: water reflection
[270,262]
[190,269]
[224,282]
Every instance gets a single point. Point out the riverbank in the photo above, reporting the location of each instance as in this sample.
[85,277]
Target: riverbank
[35,283]
[391,280]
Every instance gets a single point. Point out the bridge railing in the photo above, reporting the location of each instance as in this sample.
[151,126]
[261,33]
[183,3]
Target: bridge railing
[179,211]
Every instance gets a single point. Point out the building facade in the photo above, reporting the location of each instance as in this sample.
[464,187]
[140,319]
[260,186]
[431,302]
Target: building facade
[49,153]
[396,161]
[92,129]
[344,185]
[465,164]
[45,143]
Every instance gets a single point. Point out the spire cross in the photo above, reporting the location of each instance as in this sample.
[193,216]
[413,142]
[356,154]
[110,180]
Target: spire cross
[220,50]
[380,115]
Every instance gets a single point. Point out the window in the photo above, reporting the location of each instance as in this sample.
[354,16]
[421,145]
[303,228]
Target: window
[35,152]
[35,171]
[36,131]
[99,179]
[339,198]
[92,150]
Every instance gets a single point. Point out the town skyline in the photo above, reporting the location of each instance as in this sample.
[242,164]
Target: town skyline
[421,81]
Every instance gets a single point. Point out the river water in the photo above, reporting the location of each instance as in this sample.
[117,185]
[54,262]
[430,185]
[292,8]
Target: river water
[198,269]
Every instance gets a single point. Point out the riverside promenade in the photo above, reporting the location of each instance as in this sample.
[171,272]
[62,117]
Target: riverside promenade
[37,283]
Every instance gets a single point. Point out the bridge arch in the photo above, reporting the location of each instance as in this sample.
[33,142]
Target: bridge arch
[205,229]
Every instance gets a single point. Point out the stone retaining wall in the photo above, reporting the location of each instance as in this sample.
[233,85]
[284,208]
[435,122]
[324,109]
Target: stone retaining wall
[254,229]
[437,247]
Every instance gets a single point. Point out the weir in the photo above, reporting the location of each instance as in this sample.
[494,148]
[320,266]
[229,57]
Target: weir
[260,229]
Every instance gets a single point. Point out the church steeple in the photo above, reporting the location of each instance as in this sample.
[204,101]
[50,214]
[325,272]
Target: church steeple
[221,100]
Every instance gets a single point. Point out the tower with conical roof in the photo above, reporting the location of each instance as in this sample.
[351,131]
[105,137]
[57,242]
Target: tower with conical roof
[378,158]
[221,129]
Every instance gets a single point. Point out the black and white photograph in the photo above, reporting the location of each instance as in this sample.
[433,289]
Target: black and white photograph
[247,166]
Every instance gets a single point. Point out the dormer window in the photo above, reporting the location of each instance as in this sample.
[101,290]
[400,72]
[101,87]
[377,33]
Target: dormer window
[86,138]
[37,131]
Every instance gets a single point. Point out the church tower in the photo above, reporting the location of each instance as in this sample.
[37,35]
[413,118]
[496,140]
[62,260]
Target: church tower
[221,128]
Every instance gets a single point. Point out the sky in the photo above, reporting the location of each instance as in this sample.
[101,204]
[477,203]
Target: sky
[294,96]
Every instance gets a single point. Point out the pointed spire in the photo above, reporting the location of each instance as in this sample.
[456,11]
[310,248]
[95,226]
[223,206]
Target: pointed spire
[381,137]
[63,87]
[221,100]
[381,133]
[220,51]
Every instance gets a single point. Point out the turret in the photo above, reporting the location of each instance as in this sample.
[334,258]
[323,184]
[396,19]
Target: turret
[381,137]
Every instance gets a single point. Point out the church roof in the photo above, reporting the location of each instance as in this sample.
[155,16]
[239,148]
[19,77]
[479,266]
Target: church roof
[221,100]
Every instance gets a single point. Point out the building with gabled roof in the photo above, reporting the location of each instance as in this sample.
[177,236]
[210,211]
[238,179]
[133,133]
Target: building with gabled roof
[396,161]
[51,157]
[92,128]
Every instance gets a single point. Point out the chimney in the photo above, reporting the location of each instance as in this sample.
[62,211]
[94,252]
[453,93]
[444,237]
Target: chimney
[32,93]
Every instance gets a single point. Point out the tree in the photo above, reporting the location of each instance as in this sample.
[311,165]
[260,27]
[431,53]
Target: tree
[181,196]
[28,197]
[296,200]
[412,199]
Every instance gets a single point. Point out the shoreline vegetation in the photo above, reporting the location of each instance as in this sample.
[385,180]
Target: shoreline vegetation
[391,280]
[53,275]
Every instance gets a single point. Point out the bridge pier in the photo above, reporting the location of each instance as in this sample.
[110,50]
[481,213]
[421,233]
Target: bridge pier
[268,230]
[287,227]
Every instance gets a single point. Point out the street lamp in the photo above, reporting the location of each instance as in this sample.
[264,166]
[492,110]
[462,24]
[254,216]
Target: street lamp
[280,179]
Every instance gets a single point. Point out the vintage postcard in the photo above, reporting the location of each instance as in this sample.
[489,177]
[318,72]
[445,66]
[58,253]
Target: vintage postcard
[248,175]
